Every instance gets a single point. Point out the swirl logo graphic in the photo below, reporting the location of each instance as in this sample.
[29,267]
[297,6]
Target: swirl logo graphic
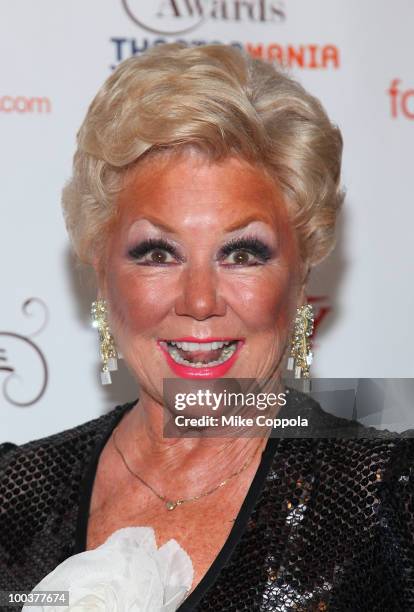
[22,361]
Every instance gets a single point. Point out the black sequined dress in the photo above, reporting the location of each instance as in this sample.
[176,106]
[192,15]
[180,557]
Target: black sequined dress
[327,524]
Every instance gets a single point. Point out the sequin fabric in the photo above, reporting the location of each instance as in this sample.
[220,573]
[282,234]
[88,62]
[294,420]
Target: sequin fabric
[332,527]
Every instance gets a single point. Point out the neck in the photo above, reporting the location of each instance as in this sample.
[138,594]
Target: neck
[186,461]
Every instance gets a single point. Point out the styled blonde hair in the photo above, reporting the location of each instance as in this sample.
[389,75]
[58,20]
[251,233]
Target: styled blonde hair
[223,102]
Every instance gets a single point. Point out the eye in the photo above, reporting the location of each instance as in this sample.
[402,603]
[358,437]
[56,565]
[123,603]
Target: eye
[153,252]
[245,251]
[158,256]
[241,258]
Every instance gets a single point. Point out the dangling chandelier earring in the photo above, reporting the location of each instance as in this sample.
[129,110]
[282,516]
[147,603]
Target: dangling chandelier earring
[300,349]
[107,348]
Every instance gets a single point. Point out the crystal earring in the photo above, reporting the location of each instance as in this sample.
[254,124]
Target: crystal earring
[107,348]
[300,349]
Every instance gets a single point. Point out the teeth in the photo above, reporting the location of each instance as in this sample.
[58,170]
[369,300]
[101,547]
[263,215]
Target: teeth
[200,346]
[228,350]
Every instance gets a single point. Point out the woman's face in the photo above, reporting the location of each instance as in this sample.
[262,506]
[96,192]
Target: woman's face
[202,271]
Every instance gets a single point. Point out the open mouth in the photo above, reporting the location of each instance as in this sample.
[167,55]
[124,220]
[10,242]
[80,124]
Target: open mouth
[200,354]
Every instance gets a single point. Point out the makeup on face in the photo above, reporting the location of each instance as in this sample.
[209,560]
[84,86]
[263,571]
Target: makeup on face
[243,249]
[195,358]
[201,271]
[251,245]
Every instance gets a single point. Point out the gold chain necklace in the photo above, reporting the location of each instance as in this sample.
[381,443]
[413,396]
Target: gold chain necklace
[169,503]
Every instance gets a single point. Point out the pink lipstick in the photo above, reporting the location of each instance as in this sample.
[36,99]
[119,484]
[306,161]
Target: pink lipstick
[190,357]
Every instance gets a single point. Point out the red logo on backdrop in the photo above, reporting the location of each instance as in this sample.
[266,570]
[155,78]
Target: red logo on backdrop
[24,104]
[297,56]
[401,100]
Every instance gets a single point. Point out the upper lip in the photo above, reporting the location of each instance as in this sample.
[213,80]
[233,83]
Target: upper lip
[201,340]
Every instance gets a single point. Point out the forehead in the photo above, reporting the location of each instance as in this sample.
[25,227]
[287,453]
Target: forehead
[191,190]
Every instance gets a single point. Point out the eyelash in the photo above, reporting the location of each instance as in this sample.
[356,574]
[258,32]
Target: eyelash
[249,244]
[152,244]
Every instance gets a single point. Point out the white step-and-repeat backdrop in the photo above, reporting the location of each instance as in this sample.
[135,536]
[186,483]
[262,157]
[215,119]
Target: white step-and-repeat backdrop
[357,57]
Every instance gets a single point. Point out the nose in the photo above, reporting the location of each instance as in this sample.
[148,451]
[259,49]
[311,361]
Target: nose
[199,296]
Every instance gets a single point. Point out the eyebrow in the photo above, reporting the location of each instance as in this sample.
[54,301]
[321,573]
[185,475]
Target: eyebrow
[244,222]
[231,228]
[162,226]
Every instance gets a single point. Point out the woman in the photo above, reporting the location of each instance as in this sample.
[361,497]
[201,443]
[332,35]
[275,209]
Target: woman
[205,186]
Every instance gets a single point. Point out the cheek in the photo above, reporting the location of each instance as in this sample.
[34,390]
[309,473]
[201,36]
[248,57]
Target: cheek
[265,303]
[138,302]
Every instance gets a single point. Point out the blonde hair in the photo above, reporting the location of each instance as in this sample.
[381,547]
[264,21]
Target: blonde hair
[223,102]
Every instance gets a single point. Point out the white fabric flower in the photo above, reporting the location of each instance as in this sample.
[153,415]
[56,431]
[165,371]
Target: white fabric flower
[127,573]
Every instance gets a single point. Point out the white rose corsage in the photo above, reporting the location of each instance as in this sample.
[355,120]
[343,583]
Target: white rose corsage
[127,573]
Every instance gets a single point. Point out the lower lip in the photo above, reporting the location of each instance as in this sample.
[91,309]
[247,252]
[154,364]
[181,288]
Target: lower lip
[184,371]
